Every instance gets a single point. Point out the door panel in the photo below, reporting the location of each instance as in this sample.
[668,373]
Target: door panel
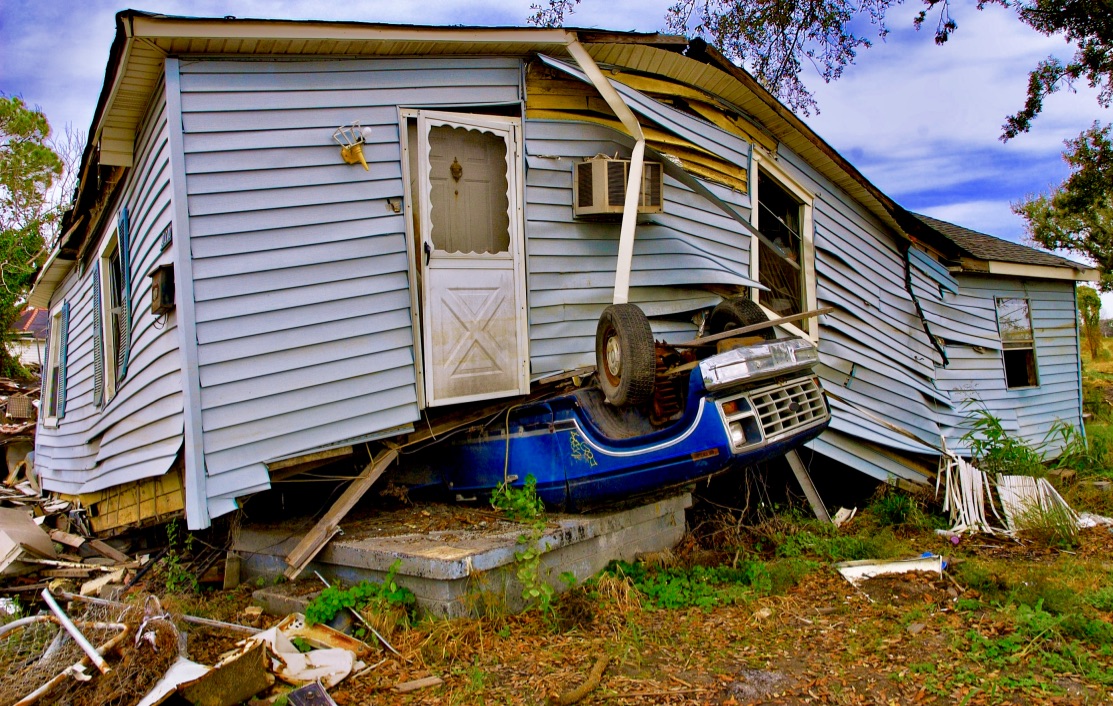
[473,283]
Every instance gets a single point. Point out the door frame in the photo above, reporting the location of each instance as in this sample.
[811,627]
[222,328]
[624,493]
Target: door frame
[516,196]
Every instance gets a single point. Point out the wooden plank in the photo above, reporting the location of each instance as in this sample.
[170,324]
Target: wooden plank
[805,480]
[714,338]
[327,527]
[70,540]
[107,550]
[309,458]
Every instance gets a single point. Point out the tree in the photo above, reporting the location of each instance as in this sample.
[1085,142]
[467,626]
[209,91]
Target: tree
[28,167]
[1089,319]
[774,38]
[1078,215]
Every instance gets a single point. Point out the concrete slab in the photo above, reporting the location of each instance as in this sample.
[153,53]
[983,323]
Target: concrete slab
[466,572]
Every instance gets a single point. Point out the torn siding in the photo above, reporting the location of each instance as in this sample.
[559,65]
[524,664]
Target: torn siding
[300,265]
[677,253]
[979,375]
[138,433]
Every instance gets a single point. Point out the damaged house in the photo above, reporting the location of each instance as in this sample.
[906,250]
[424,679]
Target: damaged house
[247,280]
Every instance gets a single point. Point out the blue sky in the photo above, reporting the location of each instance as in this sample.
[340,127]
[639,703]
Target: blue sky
[920,121]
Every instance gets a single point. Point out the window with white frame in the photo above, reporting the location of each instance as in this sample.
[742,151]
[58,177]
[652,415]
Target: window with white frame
[1018,344]
[783,258]
[113,313]
[54,376]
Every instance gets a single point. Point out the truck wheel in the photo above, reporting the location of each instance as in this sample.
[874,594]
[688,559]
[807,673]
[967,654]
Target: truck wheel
[736,313]
[624,357]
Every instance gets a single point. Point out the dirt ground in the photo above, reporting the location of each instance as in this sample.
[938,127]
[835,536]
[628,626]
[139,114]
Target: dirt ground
[908,639]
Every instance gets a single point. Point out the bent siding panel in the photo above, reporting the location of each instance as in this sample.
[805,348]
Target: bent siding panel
[571,263]
[980,377]
[300,265]
[138,433]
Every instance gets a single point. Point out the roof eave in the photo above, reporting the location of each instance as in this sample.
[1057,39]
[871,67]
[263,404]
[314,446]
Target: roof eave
[1016,269]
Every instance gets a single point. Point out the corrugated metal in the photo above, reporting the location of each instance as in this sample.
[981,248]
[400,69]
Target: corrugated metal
[571,262]
[300,266]
[138,433]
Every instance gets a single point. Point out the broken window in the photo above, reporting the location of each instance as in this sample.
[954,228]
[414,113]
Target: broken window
[54,381]
[779,260]
[1018,345]
[782,258]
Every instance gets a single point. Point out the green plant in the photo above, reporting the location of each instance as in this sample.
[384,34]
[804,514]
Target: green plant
[1102,599]
[995,450]
[525,506]
[698,586]
[1078,452]
[387,594]
[177,577]
[519,504]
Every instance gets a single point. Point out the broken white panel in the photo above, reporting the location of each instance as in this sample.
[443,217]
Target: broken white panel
[331,666]
[180,672]
[858,571]
[1025,498]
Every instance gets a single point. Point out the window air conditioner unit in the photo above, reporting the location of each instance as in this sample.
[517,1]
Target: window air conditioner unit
[599,187]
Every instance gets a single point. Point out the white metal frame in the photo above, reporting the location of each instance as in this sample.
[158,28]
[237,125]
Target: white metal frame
[763,161]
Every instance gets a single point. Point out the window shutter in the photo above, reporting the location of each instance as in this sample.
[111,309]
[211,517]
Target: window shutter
[64,334]
[125,268]
[98,341]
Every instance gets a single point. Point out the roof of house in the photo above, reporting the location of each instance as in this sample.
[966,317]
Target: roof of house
[989,247]
[33,321]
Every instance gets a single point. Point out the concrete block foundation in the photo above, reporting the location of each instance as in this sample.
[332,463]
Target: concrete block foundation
[459,573]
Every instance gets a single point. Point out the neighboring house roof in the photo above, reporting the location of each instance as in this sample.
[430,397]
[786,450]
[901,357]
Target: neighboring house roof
[33,321]
[992,249]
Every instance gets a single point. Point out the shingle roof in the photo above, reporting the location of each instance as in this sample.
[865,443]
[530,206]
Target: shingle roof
[989,247]
[33,321]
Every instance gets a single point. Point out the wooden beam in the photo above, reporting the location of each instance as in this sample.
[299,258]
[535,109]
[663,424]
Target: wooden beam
[109,551]
[307,458]
[696,342]
[327,527]
[805,480]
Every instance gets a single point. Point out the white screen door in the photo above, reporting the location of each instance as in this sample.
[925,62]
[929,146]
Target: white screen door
[474,334]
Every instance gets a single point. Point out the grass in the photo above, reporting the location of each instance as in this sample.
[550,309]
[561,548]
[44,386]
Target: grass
[1020,623]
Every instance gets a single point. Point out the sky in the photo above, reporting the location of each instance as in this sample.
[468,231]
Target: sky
[920,121]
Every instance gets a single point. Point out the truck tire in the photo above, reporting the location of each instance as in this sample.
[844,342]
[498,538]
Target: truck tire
[625,362]
[736,313]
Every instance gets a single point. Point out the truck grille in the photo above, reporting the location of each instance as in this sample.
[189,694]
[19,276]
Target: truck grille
[789,407]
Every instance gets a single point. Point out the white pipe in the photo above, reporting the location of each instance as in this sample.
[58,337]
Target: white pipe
[637,157]
[83,643]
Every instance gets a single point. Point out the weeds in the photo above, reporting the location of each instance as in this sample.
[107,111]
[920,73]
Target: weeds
[524,505]
[177,577]
[695,587]
[386,597]
[995,450]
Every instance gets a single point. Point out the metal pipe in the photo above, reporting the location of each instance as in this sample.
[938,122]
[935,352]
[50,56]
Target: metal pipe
[83,643]
[637,158]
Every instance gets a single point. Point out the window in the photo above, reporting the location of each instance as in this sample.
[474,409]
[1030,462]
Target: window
[782,260]
[54,379]
[113,314]
[1018,345]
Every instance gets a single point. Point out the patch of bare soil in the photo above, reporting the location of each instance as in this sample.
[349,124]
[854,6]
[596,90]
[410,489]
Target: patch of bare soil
[915,588]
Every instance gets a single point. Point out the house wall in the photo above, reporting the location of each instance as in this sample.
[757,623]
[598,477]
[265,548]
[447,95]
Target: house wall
[138,433]
[978,375]
[304,335]
[571,263]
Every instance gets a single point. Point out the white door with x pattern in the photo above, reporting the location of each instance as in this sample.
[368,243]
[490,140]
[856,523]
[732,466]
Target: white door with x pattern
[473,285]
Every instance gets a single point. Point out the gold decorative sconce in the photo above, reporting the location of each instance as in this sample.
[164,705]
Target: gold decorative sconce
[350,139]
